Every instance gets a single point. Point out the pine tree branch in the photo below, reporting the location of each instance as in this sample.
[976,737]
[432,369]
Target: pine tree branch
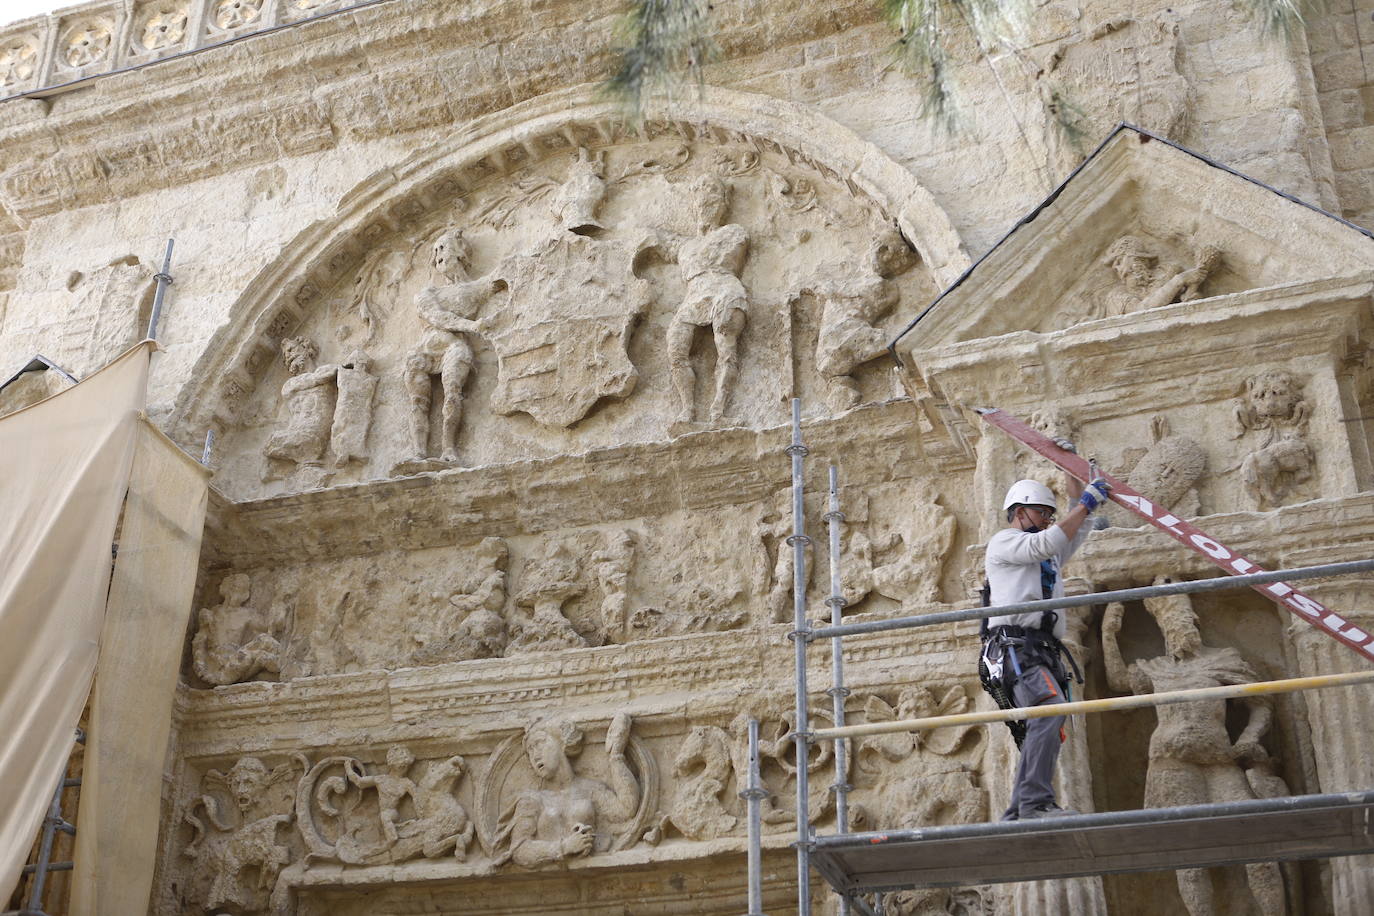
[663,44]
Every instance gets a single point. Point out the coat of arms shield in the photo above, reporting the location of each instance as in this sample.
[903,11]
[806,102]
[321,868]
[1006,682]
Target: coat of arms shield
[562,339]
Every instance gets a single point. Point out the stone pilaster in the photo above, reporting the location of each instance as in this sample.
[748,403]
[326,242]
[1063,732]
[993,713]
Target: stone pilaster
[1340,719]
[1074,789]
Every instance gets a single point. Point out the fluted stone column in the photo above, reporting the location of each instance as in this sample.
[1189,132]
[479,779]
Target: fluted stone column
[1073,787]
[1342,720]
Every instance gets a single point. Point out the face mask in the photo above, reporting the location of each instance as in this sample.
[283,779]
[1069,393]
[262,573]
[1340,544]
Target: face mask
[1033,529]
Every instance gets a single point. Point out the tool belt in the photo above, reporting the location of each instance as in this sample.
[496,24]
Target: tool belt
[1009,650]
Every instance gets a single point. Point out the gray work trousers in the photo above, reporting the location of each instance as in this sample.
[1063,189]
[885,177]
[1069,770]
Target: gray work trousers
[1034,786]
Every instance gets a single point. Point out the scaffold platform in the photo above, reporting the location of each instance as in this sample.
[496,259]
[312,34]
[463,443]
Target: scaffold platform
[1152,839]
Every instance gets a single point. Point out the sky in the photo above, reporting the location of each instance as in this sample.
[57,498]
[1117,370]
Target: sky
[12,10]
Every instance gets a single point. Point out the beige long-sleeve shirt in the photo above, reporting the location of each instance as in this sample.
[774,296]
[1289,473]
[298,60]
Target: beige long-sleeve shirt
[1013,570]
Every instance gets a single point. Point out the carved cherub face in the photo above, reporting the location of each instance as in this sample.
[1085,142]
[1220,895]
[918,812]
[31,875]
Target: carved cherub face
[298,354]
[1274,395]
[1177,621]
[247,779]
[452,255]
[399,759]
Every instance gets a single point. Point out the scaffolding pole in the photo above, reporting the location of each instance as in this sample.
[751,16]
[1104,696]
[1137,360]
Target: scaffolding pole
[53,823]
[800,636]
[753,797]
[1220,583]
[1107,704]
[164,280]
[834,518]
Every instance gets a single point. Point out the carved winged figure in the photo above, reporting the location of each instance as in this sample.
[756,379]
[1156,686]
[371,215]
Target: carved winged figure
[236,823]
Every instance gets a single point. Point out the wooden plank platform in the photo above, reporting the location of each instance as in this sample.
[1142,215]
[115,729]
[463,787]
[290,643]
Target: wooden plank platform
[1296,827]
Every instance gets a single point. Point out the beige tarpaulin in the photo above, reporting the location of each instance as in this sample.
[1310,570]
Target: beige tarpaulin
[136,678]
[64,467]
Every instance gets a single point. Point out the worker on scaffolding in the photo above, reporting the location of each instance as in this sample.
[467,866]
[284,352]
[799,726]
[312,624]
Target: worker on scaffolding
[1022,662]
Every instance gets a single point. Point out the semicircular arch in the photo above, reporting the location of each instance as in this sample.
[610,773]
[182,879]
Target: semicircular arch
[499,145]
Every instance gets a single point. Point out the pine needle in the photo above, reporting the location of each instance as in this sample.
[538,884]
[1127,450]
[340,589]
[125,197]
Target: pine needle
[663,44]
[1276,17]
[1069,119]
[924,35]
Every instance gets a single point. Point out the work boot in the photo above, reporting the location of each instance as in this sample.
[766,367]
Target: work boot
[1050,810]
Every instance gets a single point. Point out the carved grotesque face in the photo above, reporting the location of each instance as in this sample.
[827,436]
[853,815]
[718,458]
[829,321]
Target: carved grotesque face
[1177,621]
[399,759]
[298,354]
[246,781]
[452,255]
[1274,395]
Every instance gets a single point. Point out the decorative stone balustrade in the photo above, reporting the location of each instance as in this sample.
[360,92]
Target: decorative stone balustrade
[79,42]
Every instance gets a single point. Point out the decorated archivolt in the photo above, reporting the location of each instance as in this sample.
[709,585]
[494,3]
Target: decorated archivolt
[583,290]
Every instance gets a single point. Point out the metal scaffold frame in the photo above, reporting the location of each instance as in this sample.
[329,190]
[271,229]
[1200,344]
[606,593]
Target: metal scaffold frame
[1313,826]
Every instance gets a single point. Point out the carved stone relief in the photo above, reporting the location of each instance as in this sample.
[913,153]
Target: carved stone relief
[235,642]
[232,14]
[349,815]
[714,298]
[1192,757]
[853,298]
[1118,69]
[591,297]
[104,312]
[917,550]
[241,837]
[1271,416]
[1168,471]
[161,25]
[1136,273]
[86,42]
[476,627]
[18,60]
[499,597]
[537,809]
[325,407]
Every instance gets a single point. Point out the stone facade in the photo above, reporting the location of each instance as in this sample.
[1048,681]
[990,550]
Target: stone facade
[495,569]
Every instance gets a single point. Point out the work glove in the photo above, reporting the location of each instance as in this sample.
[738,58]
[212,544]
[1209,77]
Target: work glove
[1065,444]
[1095,494]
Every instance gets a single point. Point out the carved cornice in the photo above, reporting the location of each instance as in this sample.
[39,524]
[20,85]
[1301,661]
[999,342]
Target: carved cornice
[1188,353]
[476,703]
[722,468]
[385,70]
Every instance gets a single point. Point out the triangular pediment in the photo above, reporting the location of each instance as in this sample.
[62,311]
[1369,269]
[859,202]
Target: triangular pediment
[1141,224]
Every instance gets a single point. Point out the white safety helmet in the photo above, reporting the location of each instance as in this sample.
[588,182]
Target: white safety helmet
[1029,493]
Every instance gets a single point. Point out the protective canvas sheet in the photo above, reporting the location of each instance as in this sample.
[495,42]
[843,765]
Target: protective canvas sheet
[64,468]
[136,678]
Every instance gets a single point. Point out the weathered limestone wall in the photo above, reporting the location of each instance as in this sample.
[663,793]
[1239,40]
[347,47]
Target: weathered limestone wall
[1343,66]
[497,563]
